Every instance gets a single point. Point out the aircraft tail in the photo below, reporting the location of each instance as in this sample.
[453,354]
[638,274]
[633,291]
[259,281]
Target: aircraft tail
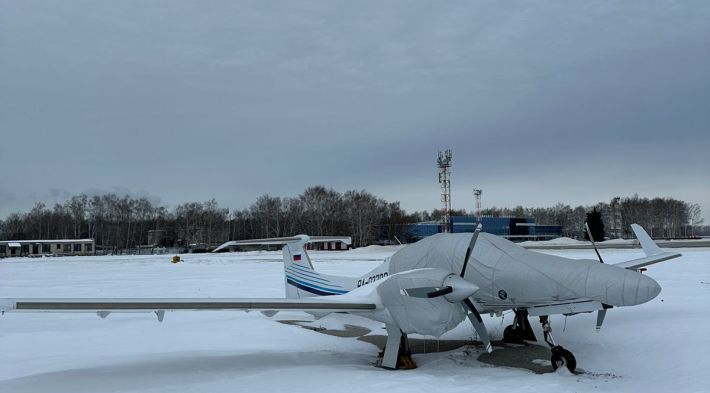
[301,280]
[654,254]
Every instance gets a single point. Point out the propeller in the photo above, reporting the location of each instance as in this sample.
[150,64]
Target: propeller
[432,292]
[601,314]
[440,292]
[476,320]
[591,239]
[474,316]
[478,325]
[469,250]
[456,289]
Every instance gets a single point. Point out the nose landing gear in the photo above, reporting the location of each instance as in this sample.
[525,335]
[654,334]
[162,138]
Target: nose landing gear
[560,356]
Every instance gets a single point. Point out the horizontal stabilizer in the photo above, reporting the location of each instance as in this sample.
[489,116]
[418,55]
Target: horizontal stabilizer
[654,254]
[636,264]
[285,240]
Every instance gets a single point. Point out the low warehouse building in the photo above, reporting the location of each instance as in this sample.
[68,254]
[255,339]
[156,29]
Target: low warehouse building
[17,248]
[512,228]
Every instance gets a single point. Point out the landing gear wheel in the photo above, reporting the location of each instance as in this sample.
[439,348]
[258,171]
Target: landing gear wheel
[562,357]
[512,335]
[509,334]
[520,331]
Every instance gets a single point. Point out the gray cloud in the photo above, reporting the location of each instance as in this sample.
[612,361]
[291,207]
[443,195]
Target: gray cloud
[564,101]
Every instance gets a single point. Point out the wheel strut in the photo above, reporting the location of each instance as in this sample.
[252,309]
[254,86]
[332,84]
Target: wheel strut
[404,360]
[396,354]
[547,330]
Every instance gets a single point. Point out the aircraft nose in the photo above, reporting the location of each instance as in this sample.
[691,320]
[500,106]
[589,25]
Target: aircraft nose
[619,287]
[648,289]
[639,289]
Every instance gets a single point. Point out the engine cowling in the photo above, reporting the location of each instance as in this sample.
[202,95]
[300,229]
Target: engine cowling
[430,316]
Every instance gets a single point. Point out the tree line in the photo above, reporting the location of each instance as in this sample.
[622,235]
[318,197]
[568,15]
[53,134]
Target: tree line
[124,222]
[661,217]
[118,223]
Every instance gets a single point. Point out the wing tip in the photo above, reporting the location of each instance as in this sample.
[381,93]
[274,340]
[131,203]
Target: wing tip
[648,246]
[7,305]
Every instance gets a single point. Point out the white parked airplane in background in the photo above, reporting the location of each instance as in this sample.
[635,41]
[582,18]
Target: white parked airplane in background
[428,287]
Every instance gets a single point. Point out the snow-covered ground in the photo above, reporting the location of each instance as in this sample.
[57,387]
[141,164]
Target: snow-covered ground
[566,242]
[663,345]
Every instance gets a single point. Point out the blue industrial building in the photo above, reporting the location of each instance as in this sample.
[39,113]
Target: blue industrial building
[513,228]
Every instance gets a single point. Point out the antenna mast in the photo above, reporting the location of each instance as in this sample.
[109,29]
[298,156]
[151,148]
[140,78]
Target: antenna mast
[444,164]
[477,198]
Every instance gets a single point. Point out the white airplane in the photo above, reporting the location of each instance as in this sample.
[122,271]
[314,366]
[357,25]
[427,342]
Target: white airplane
[428,287]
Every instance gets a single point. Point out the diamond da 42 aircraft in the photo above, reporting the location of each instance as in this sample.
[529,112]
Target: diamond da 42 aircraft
[428,287]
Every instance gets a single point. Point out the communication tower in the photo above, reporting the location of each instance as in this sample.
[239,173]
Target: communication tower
[477,200]
[444,164]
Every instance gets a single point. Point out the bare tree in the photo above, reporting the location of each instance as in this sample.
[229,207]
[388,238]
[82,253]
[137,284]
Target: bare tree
[695,216]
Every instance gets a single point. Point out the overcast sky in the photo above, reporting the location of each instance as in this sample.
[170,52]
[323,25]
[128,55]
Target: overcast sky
[541,102]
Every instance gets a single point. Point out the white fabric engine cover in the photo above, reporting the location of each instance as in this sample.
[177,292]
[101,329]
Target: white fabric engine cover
[420,315]
[527,278]
[531,278]
[442,251]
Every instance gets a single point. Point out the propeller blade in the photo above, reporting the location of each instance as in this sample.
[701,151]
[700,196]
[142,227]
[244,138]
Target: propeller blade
[478,325]
[441,292]
[601,314]
[420,292]
[469,251]
[428,292]
[600,318]
[591,239]
[453,288]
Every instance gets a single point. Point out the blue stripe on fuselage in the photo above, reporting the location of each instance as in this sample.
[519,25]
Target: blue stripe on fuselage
[312,286]
[306,277]
[309,289]
[303,268]
[313,275]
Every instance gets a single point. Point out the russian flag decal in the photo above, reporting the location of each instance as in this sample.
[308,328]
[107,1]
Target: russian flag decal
[297,257]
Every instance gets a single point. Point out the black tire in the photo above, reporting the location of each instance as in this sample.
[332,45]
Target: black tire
[510,335]
[563,357]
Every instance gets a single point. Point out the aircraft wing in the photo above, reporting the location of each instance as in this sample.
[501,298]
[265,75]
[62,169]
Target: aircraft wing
[636,264]
[283,240]
[568,307]
[654,254]
[108,305]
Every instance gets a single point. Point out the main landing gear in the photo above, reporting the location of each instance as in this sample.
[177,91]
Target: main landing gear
[560,356]
[396,354]
[521,331]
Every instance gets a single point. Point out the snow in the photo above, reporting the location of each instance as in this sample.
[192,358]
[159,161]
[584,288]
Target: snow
[661,345]
[566,241]
[560,240]
[373,249]
[619,241]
